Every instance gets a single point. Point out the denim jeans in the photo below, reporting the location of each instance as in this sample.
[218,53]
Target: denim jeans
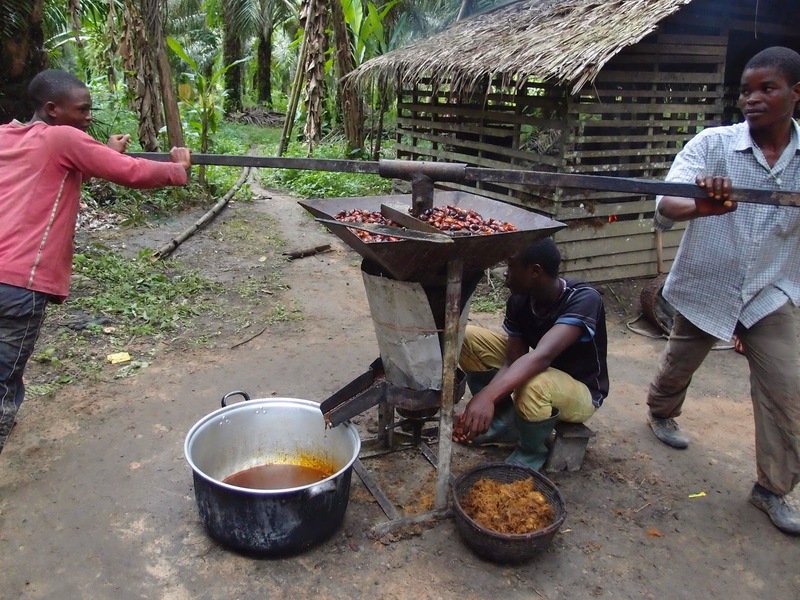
[21,316]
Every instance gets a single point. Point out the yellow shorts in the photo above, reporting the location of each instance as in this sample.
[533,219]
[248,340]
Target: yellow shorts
[483,350]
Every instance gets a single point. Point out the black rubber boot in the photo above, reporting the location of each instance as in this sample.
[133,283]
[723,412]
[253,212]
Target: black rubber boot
[503,428]
[532,448]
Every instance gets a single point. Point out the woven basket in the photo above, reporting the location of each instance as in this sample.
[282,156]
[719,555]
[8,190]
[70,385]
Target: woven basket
[502,547]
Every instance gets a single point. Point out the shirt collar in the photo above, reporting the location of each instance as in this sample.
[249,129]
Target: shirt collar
[745,142]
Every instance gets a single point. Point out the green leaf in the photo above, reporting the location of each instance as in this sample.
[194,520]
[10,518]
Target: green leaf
[178,49]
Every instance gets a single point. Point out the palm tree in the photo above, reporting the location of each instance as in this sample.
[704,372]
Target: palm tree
[260,18]
[22,55]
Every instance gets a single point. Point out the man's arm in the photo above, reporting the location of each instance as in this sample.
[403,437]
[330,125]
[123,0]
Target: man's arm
[76,150]
[717,202]
[520,366]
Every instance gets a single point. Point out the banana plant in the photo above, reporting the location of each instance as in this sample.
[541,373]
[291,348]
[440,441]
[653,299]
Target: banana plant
[201,96]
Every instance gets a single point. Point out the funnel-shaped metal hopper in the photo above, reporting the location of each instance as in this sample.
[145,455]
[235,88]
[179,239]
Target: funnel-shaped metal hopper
[426,262]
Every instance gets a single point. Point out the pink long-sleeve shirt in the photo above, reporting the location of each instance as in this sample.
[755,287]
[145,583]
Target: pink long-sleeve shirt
[41,170]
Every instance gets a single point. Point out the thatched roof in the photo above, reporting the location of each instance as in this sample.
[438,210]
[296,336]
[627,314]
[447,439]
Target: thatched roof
[564,41]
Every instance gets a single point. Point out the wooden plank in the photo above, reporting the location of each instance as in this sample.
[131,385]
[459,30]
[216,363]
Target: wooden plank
[659,59]
[611,75]
[594,247]
[544,207]
[593,208]
[693,40]
[788,29]
[603,94]
[621,138]
[531,157]
[588,169]
[636,108]
[493,117]
[455,157]
[642,152]
[607,230]
[603,274]
[656,123]
[455,127]
[665,48]
[623,259]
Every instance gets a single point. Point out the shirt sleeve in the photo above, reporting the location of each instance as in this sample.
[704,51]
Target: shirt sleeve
[582,310]
[76,150]
[687,166]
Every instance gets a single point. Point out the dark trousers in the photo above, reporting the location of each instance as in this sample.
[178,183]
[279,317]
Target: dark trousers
[21,316]
[772,352]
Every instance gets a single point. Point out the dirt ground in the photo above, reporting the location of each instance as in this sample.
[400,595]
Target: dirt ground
[96,497]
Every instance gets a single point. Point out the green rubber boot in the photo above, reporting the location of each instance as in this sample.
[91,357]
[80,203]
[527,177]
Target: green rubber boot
[531,449]
[503,429]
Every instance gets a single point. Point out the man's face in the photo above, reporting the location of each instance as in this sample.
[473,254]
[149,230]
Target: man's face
[519,277]
[766,98]
[74,109]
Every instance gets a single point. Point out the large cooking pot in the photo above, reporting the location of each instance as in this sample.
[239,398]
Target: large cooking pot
[270,431]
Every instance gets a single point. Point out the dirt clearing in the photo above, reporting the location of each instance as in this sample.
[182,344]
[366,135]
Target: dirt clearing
[96,498]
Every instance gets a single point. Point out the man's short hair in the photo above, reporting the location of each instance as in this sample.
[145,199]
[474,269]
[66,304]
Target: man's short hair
[543,253]
[785,60]
[52,85]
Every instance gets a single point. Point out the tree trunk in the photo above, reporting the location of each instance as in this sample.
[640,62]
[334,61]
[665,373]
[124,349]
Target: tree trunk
[231,52]
[153,10]
[350,103]
[170,101]
[22,56]
[264,68]
[141,76]
[313,14]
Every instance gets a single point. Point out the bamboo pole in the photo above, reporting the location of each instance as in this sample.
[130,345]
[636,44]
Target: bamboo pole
[170,246]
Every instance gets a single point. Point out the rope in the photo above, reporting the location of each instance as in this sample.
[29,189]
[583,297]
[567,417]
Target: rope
[663,336]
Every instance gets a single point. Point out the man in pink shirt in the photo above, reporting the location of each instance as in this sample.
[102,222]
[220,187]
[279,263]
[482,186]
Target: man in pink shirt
[42,166]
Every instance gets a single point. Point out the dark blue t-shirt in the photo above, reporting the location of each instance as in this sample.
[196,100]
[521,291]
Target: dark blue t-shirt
[582,306]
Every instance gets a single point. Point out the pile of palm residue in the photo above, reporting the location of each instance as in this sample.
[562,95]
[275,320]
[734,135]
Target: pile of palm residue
[515,507]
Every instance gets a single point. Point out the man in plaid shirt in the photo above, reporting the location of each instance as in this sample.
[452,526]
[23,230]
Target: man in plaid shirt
[737,271]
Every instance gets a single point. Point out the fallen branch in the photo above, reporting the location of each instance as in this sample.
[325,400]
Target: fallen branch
[293,254]
[250,339]
[170,246]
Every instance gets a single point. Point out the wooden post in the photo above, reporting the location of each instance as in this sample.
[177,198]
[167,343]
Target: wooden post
[294,98]
[452,317]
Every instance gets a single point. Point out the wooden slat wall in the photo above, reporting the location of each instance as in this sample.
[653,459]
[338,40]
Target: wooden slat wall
[645,104]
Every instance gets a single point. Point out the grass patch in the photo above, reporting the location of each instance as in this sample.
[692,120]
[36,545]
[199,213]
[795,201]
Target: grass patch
[144,297]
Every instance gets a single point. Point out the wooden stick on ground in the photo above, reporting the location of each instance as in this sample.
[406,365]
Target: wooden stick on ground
[170,246]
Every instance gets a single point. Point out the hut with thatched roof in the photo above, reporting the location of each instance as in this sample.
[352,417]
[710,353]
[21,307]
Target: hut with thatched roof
[580,86]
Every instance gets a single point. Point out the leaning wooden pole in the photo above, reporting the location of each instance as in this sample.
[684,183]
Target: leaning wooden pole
[450,353]
[294,96]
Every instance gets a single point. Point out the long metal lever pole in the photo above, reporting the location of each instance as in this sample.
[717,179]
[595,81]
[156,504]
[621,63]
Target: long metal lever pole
[460,173]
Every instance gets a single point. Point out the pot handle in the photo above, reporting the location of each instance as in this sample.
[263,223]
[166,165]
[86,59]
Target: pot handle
[236,393]
[322,488]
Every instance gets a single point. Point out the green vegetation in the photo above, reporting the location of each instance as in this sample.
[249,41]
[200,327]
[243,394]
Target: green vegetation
[144,297]
[324,184]
[490,296]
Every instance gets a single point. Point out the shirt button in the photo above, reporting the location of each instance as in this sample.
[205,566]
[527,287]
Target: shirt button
[778,181]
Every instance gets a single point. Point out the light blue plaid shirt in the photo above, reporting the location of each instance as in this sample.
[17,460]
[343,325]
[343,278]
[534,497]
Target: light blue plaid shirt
[741,266]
